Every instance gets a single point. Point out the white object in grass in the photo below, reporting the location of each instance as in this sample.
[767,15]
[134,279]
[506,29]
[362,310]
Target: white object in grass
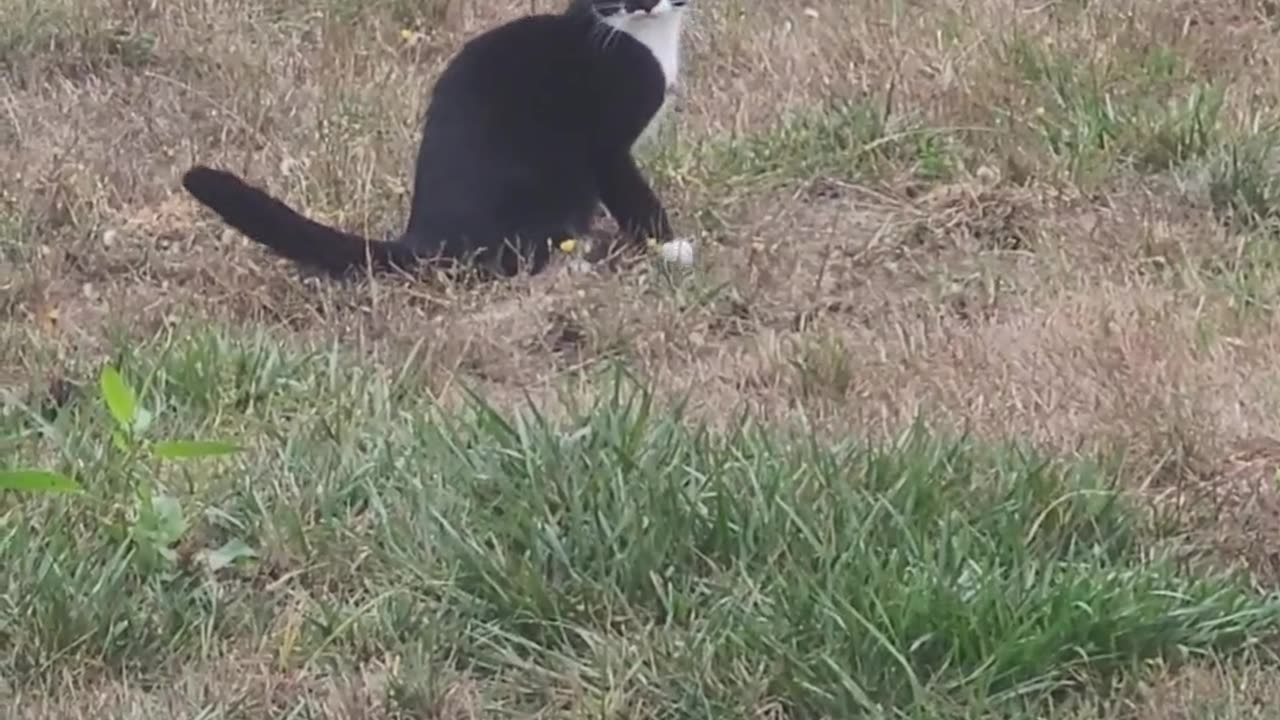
[677,251]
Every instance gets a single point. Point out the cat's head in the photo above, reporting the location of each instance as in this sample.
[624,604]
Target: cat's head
[655,23]
[620,13]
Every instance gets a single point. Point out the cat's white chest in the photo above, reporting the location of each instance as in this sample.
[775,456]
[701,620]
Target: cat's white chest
[662,36]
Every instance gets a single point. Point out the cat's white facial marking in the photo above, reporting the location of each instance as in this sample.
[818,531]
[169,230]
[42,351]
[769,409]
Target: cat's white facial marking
[659,29]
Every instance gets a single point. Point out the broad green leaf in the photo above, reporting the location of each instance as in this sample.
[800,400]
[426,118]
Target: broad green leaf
[119,397]
[184,449]
[29,480]
[232,551]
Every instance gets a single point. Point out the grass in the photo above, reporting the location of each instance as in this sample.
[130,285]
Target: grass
[619,551]
[1118,109]
[967,410]
[844,140]
[1244,185]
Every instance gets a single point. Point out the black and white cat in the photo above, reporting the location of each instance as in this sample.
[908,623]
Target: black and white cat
[530,128]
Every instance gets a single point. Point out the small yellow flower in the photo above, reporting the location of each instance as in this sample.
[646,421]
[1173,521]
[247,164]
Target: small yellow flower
[411,37]
[568,246]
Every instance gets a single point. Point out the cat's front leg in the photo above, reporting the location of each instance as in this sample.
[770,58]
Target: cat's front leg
[635,206]
[632,202]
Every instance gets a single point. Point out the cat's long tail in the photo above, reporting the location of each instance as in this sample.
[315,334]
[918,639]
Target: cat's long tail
[270,222]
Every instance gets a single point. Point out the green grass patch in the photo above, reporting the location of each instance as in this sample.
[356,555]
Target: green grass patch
[16,231]
[1140,111]
[73,38]
[1248,272]
[1244,181]
[851,140]
[620,553]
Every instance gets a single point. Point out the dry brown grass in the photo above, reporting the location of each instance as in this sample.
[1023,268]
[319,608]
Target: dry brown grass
[1008,298]
[244,688]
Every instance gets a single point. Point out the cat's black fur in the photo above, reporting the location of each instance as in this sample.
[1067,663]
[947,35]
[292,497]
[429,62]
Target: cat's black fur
[529,129]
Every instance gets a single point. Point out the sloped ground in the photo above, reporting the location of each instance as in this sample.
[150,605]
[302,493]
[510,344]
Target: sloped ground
[1053,222]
